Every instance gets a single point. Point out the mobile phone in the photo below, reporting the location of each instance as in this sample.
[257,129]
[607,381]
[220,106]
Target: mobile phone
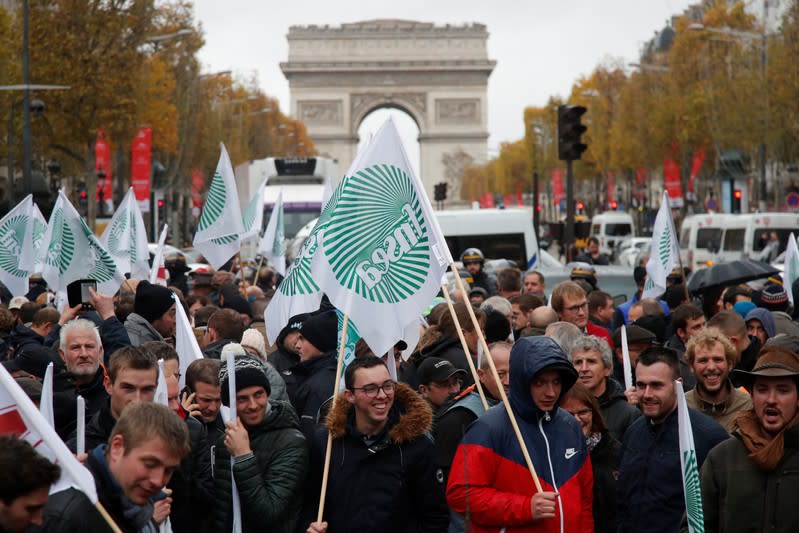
[78,293]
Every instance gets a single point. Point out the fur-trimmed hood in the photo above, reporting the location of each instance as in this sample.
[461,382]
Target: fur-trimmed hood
[415,416]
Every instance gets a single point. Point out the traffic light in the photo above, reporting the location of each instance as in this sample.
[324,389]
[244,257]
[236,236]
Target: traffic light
[440,192]
[83,198]
[736,200]
[614,205]
[569,131]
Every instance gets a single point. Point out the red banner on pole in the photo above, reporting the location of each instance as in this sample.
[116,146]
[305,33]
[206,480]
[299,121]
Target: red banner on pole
[102,167]
[696,166]
[140,167]
[671,181]
[197,184]
[557,186]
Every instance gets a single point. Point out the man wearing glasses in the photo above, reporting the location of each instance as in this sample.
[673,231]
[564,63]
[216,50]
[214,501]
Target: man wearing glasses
[571,304]
[383,475]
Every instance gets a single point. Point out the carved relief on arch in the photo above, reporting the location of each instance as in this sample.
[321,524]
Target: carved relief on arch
[322,112]
[361,104]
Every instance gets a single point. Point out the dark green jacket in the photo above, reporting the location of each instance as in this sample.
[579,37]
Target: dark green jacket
[270,481]
[738,496]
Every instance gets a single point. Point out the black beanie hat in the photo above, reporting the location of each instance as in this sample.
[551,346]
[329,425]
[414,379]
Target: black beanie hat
[250,372]
[321,330]
[152,301]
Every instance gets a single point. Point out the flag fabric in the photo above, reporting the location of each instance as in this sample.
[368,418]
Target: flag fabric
[157,269]
[272,244]
[299,291]
[219,232]
[231,373]
[46,399]
[19,416]
[30,257]
[689,465]
[80,429]
[252,218]
[327,191]
[161,395]
[125,238]
[16,247]
[352,338]
[665,255]
[70,251]
[629,382]
[381,253]
[185,342]
[791,267]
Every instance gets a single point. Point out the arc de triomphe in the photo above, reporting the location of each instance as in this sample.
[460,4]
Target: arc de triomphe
[436,74]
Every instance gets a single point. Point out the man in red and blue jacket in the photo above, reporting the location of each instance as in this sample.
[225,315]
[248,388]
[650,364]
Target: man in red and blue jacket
[489,481]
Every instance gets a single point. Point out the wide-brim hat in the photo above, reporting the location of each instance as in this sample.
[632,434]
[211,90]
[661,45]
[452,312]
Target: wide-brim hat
[774,363]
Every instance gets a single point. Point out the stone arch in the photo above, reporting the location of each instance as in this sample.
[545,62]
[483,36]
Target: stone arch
[438,75]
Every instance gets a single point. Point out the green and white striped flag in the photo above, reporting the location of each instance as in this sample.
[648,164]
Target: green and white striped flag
[30,254]
[689,465]
[272,245]
[665,254]
[125,238]
[252,218]
[220,229]
[382,253]
[16,244]
[70,251]
[790,271]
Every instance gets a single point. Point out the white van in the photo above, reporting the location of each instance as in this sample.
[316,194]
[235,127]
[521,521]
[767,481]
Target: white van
[498,233]
[700,239]
[714,238]
[611,229]
[747,236]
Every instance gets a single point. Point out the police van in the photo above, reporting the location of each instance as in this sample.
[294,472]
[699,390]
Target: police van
[498,233]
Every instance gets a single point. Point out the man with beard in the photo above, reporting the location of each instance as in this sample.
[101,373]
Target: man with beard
[593,361]
[24,485]
[749,482]
[269,455]
[650,475]
[80,348]
[712,357]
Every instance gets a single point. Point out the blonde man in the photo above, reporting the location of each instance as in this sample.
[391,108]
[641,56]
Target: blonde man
[712,356]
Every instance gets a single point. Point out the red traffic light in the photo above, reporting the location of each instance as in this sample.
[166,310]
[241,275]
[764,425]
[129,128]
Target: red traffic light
[614,205]
[83,195]
[737,194]
[580,205]
[160,203]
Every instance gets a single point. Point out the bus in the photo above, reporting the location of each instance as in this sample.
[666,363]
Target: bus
[302,181]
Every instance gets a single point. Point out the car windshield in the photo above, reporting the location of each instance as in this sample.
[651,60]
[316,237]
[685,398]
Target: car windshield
[618,230]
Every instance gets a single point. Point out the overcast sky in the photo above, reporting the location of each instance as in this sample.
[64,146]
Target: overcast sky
[541,47]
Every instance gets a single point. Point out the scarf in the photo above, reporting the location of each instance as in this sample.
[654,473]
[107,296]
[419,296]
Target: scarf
[765,450]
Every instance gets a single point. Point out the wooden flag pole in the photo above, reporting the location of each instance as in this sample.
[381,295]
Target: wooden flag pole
[505,401]
[329,447]
[258,272]
[107,517]
[465,346]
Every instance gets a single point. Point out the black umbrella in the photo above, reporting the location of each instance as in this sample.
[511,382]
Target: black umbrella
[731,273]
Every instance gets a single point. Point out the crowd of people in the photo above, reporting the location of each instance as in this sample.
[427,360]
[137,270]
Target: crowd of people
[426,445]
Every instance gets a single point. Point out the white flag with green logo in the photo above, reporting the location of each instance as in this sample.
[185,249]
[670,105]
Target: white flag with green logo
[382,253]
[219,232]
[272,244]
[35,234]
[252,218]
[185,341]
[299,292]
[665,254]
[16,244]
[689,465]
[791,267]
[71,251]
[125,238]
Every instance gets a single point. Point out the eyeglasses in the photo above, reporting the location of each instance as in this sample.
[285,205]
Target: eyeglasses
[371,390]
[577,308]
[584,414]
